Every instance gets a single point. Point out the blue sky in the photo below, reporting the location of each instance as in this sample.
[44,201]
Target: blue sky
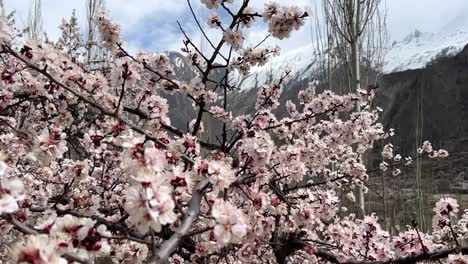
[151,24]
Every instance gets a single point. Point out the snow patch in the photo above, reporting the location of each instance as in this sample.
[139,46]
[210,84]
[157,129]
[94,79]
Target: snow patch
[415,51]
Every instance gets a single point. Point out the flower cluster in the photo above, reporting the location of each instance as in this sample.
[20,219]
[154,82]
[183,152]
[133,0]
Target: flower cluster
[349,235]
[444,209]
[387,152]
[214,20]
[80,235]
[235,38]
[97,167]
[218,172]
[283,20]
[230,223]
[259,148]
[11,191]
[50,145]
[250,57]
[268,96]
[457,259]
[40,250]
[150,205]
[158,62]
[110,32]
[213,4]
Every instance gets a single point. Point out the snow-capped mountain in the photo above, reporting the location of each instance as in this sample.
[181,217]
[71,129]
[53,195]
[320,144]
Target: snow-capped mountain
[301,62]
[415,51]
[418,49]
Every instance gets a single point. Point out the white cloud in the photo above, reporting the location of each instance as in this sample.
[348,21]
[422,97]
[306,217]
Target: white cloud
[156,19]
[126,13]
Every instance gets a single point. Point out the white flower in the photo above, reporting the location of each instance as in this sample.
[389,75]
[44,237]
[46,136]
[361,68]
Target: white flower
[446,206]
[214,20]
[150,205]
[444,209]
[110,32]
[212,4]
[39,250]
[248,19]
[425,148]
[231,225]
[221,174]
[234,38]
[77,227]
[282,21]
[132,252]
[155,159]
[442,153]
[11,192]
[3,169]
[383,166]
[8,205]
[397,158]
[457,259]
[50,146]
[260,148]
[387,152]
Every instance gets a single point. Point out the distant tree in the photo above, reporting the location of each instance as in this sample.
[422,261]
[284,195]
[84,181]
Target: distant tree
[34,21]
[92,11]
[71,41]
[356,33]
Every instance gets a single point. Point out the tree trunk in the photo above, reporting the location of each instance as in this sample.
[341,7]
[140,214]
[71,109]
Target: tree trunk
[356,72]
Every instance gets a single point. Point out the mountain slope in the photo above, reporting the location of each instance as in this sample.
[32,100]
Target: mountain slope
[413,52]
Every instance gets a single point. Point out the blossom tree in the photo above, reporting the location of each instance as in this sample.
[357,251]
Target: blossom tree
[91,166]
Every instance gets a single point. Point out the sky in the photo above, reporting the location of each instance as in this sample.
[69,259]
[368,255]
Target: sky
[152,24]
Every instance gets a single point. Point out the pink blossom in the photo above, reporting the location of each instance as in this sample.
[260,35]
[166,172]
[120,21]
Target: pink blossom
[50,145]
[444,210]
[11,192]
[446,206]
[38,249]
[214,20]
[231,226]
[283,20]
[210,4]
[155,159]
[457,259]
[150,205]
[248,18]
[425,148]
[129,253]
[110,32]
[220,174]
[234,38]
[387,152]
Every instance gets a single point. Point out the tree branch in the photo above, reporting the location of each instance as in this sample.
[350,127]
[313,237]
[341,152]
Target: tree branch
[171,245]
